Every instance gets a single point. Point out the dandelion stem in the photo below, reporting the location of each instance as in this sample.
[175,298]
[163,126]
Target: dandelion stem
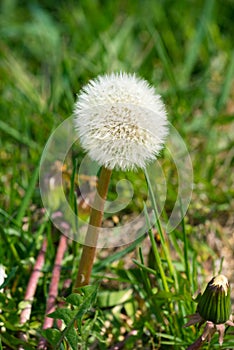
[91,239]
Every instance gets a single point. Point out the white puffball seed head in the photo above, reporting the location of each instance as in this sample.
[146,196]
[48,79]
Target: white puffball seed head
[120,120]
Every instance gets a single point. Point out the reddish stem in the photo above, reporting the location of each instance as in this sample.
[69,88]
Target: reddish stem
[53,290]
[32,286]
[201,340]
[197,344]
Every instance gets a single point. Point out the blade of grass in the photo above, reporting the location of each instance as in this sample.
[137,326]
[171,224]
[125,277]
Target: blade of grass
[194,273]
[144,275]
[159,228]
[72,194]
[147,285]
[72,181]
[186,258]
[144,267]
[163,55]
[18,135]
[156,253]
[101,265]
[166,251]
[28,195]
[195,43]
[221,265]
[11,246]
[8,217]
[227,85]
[174,241]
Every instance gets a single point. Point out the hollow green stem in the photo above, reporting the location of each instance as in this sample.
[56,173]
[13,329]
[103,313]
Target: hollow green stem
[91,239]
[159,228]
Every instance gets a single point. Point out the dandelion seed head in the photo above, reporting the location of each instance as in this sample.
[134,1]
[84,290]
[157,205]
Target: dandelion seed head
[121,121]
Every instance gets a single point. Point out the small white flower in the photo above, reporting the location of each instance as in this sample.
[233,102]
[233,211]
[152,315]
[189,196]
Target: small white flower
[121,121]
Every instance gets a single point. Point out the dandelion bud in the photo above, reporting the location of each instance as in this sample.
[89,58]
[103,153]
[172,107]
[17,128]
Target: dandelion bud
[215,303]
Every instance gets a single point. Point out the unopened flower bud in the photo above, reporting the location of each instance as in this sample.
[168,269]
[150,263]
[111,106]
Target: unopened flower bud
[215,303]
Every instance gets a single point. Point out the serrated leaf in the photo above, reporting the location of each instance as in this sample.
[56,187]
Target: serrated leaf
[52,335]
[74,299]
[72,338]
[63,314]
[89,297]
[70,316]
[88,290]
[86,305]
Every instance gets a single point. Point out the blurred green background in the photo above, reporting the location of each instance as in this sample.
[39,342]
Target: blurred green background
[184,48]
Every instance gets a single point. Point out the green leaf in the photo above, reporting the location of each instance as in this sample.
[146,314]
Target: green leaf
[74,299]
[52,335]
[89,294]
[68,316]
[63,314]
[6,304]
[90,297]
[110,299]
[9,277]
[130,308]
[72,338]
[88,290]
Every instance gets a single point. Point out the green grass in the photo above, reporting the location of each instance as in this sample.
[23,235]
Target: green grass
[48,52]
